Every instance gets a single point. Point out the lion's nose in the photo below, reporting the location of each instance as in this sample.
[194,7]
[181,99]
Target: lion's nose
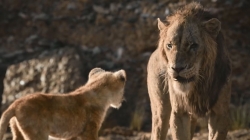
[178,68]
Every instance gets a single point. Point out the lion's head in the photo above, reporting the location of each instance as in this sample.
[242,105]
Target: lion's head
[188,45]
[111,83]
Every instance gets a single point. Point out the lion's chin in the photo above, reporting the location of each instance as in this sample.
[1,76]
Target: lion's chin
[116,106]
[180,88]
[182,85]
[183,80]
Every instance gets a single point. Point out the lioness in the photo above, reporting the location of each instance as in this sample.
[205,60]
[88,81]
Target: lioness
[189,76]
[78,114]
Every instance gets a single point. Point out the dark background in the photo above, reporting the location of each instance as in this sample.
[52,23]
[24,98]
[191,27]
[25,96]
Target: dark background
[115,34]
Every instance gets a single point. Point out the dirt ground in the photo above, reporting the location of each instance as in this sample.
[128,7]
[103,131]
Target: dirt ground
[232,135]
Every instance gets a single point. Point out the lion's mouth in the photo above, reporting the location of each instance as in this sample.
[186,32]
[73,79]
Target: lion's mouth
[184,80]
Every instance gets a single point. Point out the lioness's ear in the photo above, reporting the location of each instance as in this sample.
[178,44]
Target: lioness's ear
[161,25]
[213,26]
[94,71]
[121,74]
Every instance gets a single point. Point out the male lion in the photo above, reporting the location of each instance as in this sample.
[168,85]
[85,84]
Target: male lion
[189,76]
[78,114]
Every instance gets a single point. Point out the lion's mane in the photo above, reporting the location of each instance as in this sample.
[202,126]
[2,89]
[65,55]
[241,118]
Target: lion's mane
[215,67]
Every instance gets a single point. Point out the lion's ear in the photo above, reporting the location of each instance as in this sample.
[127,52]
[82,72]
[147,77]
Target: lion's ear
[121,74]
[213,26]
[94,71]
[161,25]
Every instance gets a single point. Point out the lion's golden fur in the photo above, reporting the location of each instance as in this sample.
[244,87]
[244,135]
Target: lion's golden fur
[215,65]
[78,114]
[206,66]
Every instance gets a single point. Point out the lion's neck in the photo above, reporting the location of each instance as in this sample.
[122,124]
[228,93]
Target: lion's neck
[179,88]
[93,96]
[188,97]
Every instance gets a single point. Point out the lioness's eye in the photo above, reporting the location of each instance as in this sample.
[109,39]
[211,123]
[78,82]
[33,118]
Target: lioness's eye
[169,46]
[193,47]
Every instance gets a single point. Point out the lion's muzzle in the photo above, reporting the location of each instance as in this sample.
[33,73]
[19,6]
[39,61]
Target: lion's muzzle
[183,74]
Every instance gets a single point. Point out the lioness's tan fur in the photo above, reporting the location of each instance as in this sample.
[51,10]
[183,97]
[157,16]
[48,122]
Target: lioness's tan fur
[189,76]
[77,115]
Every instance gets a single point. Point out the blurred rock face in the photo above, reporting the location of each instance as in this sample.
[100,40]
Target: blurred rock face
[56,71]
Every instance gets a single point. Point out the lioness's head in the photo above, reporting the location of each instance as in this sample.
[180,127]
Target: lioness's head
[187,44]
[110,84]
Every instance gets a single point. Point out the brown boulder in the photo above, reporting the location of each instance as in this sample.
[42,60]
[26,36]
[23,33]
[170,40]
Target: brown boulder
[56,71]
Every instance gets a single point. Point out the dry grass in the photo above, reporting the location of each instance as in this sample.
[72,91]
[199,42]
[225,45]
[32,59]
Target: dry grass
[137,118]
[240,117]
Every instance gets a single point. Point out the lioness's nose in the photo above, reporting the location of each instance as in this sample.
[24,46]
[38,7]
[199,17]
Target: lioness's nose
[178,68]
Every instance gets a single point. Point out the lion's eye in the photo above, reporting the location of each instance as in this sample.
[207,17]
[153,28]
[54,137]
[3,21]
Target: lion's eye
[169,46]
[194,47]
